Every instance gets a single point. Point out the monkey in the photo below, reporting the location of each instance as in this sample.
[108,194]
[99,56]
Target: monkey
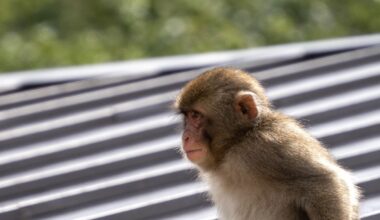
[257,162]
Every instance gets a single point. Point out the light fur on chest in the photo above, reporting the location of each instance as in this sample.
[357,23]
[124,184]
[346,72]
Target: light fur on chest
[243,200]
[240,203]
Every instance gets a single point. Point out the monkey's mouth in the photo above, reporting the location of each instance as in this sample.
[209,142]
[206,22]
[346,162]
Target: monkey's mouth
[195,155]
[192,151]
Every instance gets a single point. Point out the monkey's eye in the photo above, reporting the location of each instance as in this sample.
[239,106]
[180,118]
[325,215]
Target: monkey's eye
[195,116]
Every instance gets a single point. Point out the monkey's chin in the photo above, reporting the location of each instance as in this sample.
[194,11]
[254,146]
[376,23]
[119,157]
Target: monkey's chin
[195,155]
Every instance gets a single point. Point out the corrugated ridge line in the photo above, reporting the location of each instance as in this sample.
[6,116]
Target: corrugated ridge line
[369,75]
[112,112]
[133,69]
[112,95]
[18,160]
[37,95]
[372,216]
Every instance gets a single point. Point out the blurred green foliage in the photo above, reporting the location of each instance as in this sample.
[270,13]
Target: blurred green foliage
[45,33]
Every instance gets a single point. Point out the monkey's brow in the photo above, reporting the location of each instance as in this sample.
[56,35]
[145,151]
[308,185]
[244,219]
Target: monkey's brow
[181,112]
[186,111]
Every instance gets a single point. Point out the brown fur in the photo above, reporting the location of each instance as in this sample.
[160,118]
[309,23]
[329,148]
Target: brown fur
[269,168]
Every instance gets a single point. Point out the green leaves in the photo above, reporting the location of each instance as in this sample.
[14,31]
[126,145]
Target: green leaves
[45,33]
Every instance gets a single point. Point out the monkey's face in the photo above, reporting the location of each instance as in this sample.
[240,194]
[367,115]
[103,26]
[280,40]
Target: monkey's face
[195,140]
[217,106]
[209,127]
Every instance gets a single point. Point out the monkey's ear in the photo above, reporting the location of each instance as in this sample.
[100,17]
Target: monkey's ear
[245,104]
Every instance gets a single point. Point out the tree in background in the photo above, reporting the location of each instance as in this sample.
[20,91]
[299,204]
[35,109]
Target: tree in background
[46,33]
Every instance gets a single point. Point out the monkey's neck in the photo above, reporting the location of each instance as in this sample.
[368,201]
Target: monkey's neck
[232,170]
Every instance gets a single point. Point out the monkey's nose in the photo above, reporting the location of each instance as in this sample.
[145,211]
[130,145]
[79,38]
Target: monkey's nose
[185,138]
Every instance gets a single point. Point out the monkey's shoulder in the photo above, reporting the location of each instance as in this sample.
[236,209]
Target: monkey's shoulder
[284,160]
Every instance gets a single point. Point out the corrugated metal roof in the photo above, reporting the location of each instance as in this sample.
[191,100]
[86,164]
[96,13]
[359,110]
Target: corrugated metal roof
[105,148]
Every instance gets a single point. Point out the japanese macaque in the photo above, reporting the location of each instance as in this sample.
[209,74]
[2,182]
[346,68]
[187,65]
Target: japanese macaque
[259,164]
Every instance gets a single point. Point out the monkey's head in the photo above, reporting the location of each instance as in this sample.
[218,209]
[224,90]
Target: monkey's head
[219,107]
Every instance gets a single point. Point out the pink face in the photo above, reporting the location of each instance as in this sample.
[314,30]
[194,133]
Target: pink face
[194,141]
